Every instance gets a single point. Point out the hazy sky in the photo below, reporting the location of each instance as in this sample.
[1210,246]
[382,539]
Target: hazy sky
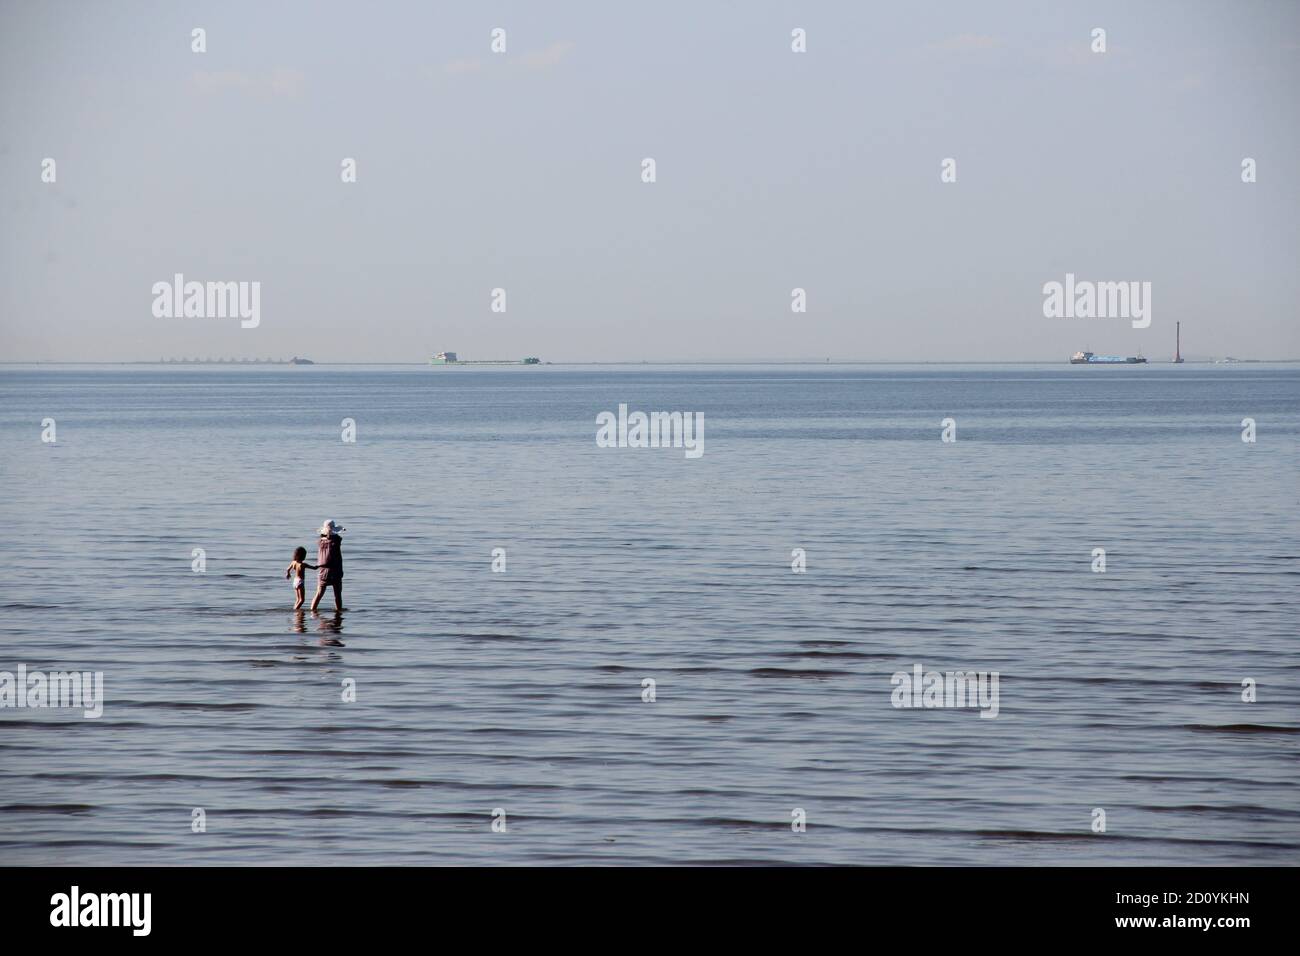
[522,170]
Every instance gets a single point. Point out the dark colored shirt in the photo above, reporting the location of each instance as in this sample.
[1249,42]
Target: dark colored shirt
[329,555]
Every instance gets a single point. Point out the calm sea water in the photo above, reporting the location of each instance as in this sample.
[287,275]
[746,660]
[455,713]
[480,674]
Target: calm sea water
[522,690]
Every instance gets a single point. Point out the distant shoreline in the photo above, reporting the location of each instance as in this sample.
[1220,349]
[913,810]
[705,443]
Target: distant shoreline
[638,364]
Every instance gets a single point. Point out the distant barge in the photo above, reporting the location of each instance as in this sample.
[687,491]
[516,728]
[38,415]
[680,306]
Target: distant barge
[449,358]
[1088,358]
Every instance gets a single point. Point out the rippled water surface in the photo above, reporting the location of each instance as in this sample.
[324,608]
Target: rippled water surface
[522,690]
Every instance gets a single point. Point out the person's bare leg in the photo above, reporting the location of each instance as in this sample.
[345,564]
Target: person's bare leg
[320,592]
[338,597]
[302,596]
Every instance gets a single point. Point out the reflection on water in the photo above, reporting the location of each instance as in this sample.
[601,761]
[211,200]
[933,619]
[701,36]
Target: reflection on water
[329,626]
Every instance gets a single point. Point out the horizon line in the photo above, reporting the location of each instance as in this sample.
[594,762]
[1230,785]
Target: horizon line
[640,362]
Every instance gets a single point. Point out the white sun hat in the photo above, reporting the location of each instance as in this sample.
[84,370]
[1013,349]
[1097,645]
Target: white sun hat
[329,527]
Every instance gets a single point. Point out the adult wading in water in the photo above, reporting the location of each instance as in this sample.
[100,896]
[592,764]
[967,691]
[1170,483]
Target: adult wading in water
[329,560]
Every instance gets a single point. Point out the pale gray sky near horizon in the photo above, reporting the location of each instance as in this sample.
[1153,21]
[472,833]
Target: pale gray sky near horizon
[522,170]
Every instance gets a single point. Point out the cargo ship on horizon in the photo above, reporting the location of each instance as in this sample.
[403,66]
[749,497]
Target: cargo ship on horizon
[450,358]
[1088,358]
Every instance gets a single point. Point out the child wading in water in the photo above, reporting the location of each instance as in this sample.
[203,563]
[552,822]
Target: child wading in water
[294,570]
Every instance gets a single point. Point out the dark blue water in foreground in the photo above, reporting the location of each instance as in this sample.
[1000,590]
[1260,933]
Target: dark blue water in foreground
[522,690]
